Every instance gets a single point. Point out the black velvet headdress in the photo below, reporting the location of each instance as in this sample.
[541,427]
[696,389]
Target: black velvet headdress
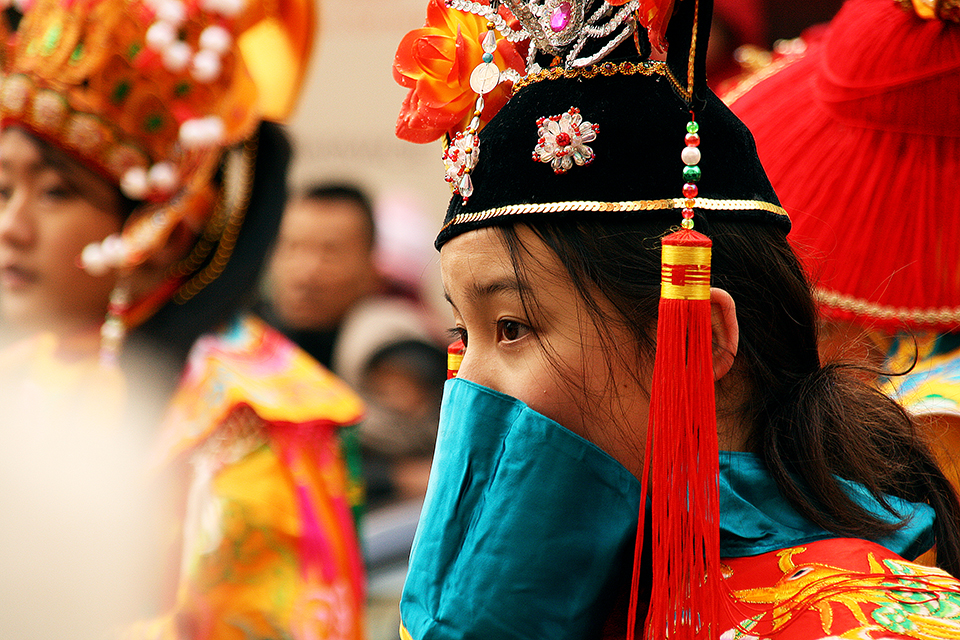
[640,108]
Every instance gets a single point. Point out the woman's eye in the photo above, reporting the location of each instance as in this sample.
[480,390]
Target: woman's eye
[511,330]
[57,193]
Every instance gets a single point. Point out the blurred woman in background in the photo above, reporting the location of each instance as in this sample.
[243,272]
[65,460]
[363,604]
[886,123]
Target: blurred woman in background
[140,185]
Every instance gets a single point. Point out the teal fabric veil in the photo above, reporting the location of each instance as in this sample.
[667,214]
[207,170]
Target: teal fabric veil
[526,530]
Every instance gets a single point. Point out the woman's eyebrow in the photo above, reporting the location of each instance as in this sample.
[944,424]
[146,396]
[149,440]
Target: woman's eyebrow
[501,286]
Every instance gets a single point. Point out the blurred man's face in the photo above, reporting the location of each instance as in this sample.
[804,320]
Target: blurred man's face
[322,263]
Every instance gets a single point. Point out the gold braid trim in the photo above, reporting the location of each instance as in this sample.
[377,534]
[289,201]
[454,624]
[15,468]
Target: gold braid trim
[615,207]
[606,69]
[693,51]
[945,10]
[859,306]
[222,230]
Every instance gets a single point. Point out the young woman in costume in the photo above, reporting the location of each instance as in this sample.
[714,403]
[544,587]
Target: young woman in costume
[141,183]
[888,289]
[612,370]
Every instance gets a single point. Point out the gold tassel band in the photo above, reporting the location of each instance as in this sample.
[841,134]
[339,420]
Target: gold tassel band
[685,273]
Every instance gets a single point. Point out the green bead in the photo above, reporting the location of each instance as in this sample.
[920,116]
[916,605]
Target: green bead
[120,92]
[181,89]
[77,53]
[692,127]
[691,174]
[52,38]
[153,122]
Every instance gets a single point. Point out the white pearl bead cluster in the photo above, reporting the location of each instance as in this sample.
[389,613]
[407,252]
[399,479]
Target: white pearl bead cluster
[98,258]
[205,66]
[163,37]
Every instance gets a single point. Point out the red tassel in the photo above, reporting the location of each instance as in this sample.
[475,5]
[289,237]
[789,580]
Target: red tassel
[681,457]
[454,357]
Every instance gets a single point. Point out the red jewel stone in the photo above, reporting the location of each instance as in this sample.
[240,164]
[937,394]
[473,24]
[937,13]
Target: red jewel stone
[692,140]
[563,139]
[687,214]
[690,190]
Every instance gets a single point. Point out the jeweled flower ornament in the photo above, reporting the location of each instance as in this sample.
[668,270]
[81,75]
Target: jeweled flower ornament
[459,159]
[562,141]
[579,32]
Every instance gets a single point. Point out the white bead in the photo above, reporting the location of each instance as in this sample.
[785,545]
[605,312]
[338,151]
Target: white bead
[114,250]
[206,66]
[215,129]
[177,56]
[216,38]
[113,330]
[172,11]
[230,8]
[690,155]
[160,35]
[134,183]
[485,78]
[190,132]
[163,177]
[201,132]
[93,260]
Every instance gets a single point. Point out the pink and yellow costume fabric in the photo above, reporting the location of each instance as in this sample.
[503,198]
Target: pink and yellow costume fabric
[269,543]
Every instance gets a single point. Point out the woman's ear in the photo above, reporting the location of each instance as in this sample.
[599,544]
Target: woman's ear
[726,331]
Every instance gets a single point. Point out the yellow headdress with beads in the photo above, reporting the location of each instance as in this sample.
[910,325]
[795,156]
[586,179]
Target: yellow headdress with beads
[150,92]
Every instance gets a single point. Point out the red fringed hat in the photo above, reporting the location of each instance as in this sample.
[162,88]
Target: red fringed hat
[861,139]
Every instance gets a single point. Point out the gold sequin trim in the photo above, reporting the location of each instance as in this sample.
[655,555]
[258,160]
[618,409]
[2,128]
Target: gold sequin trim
[943,315]
[615,207]
[607,69]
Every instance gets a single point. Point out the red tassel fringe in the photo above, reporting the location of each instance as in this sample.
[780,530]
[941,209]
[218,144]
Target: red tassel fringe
[682,462]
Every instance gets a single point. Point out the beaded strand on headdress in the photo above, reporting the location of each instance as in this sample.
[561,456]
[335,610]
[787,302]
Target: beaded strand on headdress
[691,172]
[462,154]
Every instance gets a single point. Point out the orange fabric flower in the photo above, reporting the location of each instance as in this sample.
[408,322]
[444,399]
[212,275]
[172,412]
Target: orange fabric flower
[654,16]
[435,63]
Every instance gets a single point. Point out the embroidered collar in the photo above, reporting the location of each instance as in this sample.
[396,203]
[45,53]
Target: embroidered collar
[755,518]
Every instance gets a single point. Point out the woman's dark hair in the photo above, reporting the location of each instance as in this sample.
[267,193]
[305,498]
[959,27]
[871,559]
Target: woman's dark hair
[169,334]
[809,423]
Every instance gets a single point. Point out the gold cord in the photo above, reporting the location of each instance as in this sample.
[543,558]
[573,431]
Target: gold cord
[607,69]
[222,230]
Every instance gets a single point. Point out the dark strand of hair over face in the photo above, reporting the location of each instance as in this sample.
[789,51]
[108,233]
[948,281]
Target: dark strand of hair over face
[809,423]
